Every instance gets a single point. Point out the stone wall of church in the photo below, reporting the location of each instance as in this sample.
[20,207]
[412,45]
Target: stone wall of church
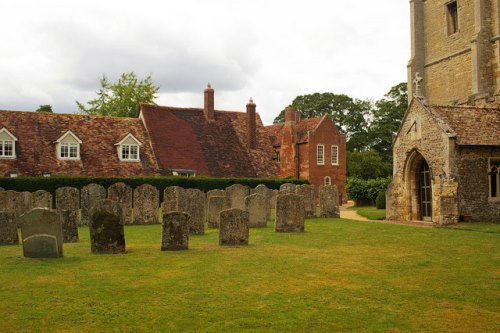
[474,190]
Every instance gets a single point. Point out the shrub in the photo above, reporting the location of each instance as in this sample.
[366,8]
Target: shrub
[366,190]
[380,202]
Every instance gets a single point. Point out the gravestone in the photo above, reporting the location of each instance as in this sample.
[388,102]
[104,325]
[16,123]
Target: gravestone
[307,192]
[41,232]
[256,206]
[8,228]
[25,203]
[237,194]
[233,227]
[216,193]
[122,193]
[41,199]
[267,193]
[175,231]
[90,194]
[69,219]
[274,196]
[146,203]
[287,188]
[329,201]
[290,213]
[67,198]
[191,201]
[216,204]
[12,201]
[106,227]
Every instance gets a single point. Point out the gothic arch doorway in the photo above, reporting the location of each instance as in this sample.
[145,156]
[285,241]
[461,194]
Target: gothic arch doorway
[418,179]
[425,191]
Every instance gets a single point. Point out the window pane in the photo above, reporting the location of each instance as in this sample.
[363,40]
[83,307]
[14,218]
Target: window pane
[133,152]
[1,148]
[8,151]
[64,150]
[73,150]
[320,154]
[125,152]
[335,155]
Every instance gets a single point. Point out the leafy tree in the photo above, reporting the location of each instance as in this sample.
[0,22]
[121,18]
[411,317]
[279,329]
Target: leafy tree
[121,99]
[350,115]
[45,108]
[387,116]
[367,164]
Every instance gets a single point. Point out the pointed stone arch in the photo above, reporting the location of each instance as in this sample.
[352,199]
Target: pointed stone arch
[414,166]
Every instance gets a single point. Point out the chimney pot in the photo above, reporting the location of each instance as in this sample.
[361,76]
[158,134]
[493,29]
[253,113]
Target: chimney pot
[208,108]
[251,124]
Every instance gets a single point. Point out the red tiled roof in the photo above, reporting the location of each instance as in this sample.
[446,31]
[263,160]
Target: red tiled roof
[473,125]
[182,138]
[302,128]
[37,152]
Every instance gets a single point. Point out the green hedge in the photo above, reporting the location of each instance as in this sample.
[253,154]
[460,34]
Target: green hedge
[362,190]
[205,184]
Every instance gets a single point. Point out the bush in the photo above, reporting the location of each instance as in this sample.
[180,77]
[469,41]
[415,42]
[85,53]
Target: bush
[380,202]
[366,190]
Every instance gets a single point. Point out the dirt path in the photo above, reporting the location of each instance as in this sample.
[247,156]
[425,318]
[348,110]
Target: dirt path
[351,214]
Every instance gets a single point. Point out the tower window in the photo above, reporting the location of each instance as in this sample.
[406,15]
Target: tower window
[452,10]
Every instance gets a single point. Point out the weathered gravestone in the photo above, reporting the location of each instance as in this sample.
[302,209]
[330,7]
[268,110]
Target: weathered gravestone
[146,203]
[122,193]
[41,199]
[267,193]
[233,228]
[290,213]
[90,194]
[175,231]
[67,198]
[25,203]
[274,196]
[329,201]
[307,192]
[216,193]
[8,228]
[41,232]
[191,201]
[256,206]
[287,188]
[216,204]
[12,201]
[69,220]
[236,194]
[106,227]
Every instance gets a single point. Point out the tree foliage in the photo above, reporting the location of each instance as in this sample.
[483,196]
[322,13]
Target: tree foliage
[45,108]
[121,99]
[367,164]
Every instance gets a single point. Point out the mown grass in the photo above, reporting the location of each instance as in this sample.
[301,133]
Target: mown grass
[336,276]
[370,212]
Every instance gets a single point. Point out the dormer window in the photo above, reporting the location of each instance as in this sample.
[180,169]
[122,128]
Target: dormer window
[68,146]
[7,144]
[129,149]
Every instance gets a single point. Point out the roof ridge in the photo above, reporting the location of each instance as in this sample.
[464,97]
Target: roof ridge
[54,114]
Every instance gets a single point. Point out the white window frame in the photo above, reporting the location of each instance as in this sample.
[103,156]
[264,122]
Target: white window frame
[336,155]
[497,180]
[320,154]
[327,180]
[11,142]
[121,146]
[60,144]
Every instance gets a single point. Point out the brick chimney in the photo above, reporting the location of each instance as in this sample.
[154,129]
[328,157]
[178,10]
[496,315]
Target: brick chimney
[251,125]
[208,108]
[292,115]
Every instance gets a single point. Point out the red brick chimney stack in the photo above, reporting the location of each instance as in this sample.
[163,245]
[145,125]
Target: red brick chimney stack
[251,125]
[208,108]
[292,115]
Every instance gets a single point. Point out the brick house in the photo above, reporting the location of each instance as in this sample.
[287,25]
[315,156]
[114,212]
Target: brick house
[447,150]
[312,149]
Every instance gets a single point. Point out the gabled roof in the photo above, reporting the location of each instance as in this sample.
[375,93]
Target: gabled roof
[182,138]
[129,136]
[62,137]
[304,126]
[4,130]
[37,133]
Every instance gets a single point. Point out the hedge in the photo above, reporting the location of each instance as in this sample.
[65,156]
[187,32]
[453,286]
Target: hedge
[366,190]
[50,184]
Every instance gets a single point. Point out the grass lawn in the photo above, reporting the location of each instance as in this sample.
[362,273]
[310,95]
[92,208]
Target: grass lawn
[370,212]
[339,275]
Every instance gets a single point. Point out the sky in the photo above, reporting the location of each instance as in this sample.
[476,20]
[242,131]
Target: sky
[54,51]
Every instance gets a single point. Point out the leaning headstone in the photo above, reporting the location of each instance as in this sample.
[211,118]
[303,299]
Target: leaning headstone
[191,201]
[256,206]
[146,203]
[290,213]
[287,188]
[237,194]
[106,227]
[233,228]
[329,201]
[41,199]
[122,193]
[216,204]
[307,192]
[175,231]
[267,193]
[90,194]
[41,232]
[8,228]
[67,198]
[69,219]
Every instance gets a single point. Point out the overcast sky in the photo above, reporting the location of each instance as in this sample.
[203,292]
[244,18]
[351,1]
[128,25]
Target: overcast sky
[53,52]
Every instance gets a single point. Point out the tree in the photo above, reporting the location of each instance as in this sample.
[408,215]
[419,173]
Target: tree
[367,164]
[45,108]
[121,99]
[350,115]
[387,116]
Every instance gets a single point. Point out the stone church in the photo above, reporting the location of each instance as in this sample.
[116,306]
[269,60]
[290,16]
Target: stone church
[447,149]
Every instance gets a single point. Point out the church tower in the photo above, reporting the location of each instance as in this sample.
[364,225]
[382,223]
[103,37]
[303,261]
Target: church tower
[455,50]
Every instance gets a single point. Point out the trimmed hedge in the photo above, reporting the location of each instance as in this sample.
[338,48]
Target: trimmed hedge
[366,190]
[50,184]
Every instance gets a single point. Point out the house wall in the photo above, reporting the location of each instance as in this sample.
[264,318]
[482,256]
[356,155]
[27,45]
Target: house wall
[473,193]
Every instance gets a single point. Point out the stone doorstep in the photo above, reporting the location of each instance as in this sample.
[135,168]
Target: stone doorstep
[408,223]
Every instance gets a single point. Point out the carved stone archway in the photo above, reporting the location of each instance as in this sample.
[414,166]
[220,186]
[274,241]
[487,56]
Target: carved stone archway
[414,167]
